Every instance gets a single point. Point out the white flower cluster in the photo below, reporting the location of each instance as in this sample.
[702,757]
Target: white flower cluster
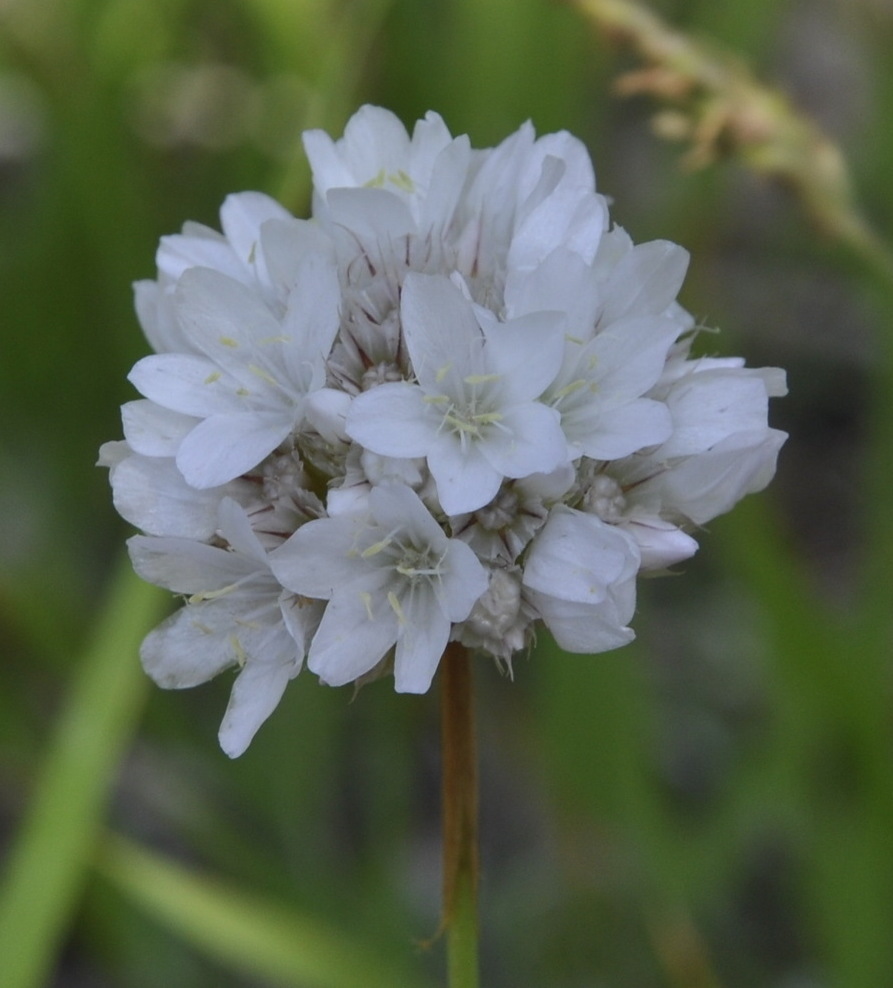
[452,403]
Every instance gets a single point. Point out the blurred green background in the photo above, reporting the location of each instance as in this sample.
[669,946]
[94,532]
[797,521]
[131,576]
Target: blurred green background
[712,806]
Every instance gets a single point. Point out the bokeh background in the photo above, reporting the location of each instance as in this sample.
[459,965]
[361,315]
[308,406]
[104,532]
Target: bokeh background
[711,806]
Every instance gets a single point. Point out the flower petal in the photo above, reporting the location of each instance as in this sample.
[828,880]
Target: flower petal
[584,628]
[444,340]
[421,643]
[184,383]
[153,430]
[577,557]
[224,447]
[529,440]
[465,478]
[321,556]
[241,216]
[356,631]
[608,434]
[185,566]
[393,420]
[255,695]
[151,494]
[190,647]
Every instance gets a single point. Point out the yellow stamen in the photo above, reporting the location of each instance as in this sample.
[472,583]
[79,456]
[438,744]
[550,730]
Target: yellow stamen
[395,607]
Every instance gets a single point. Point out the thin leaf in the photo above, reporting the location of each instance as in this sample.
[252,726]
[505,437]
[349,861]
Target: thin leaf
[255,935]
[47,864]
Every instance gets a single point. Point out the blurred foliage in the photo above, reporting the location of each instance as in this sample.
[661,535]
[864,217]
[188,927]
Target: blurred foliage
[710,806]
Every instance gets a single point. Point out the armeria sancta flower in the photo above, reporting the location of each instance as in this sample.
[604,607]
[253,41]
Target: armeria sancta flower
[236,614]
[393,580]
[473,412]
[248,384]
[454,404]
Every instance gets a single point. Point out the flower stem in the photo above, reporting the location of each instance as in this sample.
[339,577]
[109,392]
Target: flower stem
[460,818]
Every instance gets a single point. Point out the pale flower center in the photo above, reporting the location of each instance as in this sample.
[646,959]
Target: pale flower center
[381,373]
[408,560]
[605,499]
[469,416]
[501,511]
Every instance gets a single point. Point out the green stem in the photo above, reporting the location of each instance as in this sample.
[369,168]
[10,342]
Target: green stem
[460,819]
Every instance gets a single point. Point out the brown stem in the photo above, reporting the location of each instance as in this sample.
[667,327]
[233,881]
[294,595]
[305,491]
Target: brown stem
[460,815]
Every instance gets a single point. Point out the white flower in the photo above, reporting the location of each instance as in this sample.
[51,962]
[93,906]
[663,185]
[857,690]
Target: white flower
[474,413]
[237,614]
[720,449]
[451,405]
[391,577]
[580,574]
[249,386]
[377,153]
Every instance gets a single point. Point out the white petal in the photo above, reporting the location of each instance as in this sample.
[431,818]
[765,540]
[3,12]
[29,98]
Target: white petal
[183,383]
[152,430]
[185,566]
[235,527]
[351,500]
[301,618]
[155,312]
[178,253]
[229,323]
[646,280]
[321,556]
[549,486]
[397,507]
[287,244]
[328,167]
[420,645]
[572,152]
[224,447]
[413,472]
[465,479]
[568,217]
[464,581]
[527,352]
[584,628]
[446,183]
[708,485]
[608,434]
[529,441]
[151,494]
[242,215]
[312,318]
[373,216]
[374,138]
[374,141]
[326,410]
[660,543]
[577,557]
[393,420]
[113,453]
[190,647]
[255,695]
[563,282]
[444,340]
[708,407]
[630,355]
[349,642]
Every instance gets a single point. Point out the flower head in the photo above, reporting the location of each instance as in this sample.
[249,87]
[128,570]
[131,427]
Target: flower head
[452,405]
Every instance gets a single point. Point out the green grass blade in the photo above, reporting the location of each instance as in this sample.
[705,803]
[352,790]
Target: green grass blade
[246,932]
[48,862]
